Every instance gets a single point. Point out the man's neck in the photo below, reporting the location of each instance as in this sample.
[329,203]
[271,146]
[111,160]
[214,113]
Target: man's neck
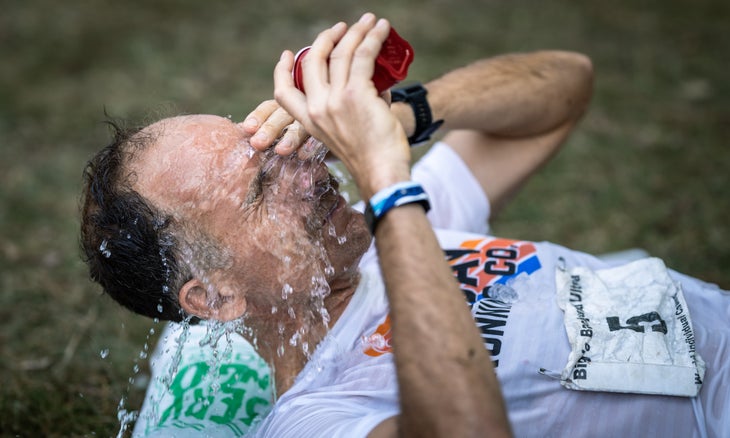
[287,343]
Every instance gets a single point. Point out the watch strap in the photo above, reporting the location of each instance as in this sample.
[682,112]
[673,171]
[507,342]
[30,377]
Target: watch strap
[416,96]
[402,193]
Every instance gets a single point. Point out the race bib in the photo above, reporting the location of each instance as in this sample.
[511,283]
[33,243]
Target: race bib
[630,331]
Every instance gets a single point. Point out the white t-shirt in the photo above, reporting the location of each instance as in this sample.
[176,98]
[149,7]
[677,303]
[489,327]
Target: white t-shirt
[350,385]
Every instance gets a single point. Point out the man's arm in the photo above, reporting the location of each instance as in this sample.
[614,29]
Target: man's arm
[509,114]
[446,381]
[506,115]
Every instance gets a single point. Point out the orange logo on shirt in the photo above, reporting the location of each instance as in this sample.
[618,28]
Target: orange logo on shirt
[481,263]
[378,343]
[477,265]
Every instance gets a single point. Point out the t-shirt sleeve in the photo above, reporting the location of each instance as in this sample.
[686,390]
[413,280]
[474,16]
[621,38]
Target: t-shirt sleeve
[457,199]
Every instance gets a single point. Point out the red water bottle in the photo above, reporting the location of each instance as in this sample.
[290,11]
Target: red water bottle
[391,65]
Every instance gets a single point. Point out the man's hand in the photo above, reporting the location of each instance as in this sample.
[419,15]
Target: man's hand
[341,106]
[269,122]
[447,385]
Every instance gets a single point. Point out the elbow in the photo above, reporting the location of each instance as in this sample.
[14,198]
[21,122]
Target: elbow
[570,77]
[580,71]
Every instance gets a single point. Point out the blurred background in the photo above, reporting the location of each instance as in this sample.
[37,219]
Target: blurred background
[647,168]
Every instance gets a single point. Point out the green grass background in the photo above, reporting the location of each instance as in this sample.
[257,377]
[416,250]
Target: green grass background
[648,166]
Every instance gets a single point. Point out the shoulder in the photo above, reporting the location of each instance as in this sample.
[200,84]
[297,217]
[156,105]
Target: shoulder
[457,199]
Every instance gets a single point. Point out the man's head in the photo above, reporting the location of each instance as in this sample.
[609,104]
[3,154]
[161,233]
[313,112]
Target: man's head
[183,218]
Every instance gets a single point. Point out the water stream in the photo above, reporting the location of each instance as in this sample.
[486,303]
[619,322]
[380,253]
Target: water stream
[301,271]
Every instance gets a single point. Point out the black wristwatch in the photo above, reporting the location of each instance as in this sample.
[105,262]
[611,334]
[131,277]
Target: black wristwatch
[415,96]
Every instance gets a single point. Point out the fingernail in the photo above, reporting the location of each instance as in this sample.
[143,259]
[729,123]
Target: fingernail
[284,145]
[250,123]
[260,138]
[366,17]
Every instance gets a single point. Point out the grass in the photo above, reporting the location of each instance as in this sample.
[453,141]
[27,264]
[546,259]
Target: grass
[646,168]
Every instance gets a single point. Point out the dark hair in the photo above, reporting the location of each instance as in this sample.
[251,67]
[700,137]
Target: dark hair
[129,244]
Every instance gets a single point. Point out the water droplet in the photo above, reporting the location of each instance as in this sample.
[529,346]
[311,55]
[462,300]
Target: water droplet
[126,418]
[325,315]
[104,353]
[286,290]
[376,341]
[160,308]
[341,239]
[294,340]
[102,248]
[250,151]
[503,293]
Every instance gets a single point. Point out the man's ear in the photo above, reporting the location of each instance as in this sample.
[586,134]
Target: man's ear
[221,305]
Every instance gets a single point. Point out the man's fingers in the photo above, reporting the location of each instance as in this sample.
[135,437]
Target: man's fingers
[292,139]
[341,57]
[285,93]
[253,121]
[315,69]
[271,128]
[363,61]
[327,69]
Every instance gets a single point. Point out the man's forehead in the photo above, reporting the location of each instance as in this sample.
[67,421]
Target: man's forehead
[185,152]
[199,129]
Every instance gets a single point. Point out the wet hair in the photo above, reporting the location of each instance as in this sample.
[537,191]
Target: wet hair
[130,245]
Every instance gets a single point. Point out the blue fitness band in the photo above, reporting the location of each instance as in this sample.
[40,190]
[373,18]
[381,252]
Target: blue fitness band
[402,193]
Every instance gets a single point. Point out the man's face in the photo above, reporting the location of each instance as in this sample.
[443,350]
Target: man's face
[281,220]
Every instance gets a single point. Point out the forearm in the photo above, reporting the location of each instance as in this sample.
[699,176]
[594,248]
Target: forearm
[514,95]
[446,380]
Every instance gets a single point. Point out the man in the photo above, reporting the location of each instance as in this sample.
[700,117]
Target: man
[366,344]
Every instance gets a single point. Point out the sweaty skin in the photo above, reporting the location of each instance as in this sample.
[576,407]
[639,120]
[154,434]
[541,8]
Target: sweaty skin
[277,218]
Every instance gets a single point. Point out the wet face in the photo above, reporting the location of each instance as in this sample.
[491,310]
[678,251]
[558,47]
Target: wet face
[290,236]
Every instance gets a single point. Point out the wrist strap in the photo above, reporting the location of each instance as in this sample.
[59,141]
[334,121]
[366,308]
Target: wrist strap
[415,96]
[402,193]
